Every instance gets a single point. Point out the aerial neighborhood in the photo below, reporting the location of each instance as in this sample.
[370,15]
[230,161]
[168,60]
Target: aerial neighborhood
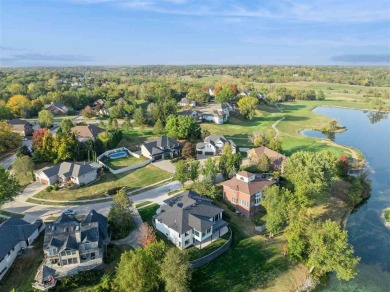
[117,175]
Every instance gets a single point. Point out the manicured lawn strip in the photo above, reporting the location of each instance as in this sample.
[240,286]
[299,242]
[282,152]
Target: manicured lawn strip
[148,212]
[142,204]
[124,162]
[132,179]
[24,178]
[194,253]
[22,272]
[70,203]
[5,213]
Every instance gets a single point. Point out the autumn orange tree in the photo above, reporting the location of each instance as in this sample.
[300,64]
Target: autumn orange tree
[147,235]
[19,105]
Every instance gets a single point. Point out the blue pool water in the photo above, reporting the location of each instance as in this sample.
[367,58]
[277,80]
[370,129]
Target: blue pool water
[118,155]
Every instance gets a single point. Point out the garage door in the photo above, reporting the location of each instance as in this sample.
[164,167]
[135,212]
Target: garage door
[209,153]
[158,157]
[44,181]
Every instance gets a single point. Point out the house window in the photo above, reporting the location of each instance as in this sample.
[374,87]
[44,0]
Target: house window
[187,242]
[257,199]
[196,233]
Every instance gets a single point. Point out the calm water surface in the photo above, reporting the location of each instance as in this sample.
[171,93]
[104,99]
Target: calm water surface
[370,133]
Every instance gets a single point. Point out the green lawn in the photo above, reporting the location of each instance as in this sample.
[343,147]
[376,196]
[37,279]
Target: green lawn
[148,212]
[252,262]
[5,213]
[24,179]
[297,116]
[124,162]
[132,138]
[132,180]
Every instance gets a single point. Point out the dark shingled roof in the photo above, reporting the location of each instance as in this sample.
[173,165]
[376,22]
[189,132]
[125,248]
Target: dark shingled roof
[156,146]
[188,210]
[13,231]
[62,232]
[88,131]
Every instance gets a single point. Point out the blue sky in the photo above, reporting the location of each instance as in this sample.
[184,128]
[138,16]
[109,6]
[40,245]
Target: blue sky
[143,32]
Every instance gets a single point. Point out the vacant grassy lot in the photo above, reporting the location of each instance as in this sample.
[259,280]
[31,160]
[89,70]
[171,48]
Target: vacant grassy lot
[132,139]
[132,180]
[22,272]
[124,162]
[252,262]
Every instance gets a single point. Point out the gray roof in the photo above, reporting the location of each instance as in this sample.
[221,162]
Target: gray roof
[156,146]
[62,232]
[188,210]
[214,139]
[13,231]
[68,169]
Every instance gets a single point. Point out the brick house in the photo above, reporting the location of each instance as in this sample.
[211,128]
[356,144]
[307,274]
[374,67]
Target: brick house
[276,159]
[244,191]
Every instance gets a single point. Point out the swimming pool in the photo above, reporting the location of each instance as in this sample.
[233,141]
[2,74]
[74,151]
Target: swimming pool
[118,155]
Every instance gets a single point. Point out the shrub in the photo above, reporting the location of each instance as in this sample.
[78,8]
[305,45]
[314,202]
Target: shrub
[49,189]
[55,187]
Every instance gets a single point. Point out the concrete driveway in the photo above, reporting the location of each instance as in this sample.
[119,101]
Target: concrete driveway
[165,165]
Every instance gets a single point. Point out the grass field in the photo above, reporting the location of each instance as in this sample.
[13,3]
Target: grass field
[252,262]
[124,162]
[132,180]
[297,115]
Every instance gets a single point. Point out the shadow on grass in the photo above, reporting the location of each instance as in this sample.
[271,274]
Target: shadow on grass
[251,262]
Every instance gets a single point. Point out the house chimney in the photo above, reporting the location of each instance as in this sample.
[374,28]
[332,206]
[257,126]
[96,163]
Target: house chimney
[78,234]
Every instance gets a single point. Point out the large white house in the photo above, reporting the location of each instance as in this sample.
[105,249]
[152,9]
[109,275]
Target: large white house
[15,235]
[190,219]
[78,173]
[213,145]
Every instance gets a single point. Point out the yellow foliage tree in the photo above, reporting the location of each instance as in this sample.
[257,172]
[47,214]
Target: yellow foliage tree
[19,105]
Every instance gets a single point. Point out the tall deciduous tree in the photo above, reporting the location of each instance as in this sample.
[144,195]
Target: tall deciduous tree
[139,117]
[19,105]
[310,173]
[120,216]
[8,139]
[181,172]
[276,202]
[176,271]
[66,125]
[329,251]
[45,118]
[9,186]
[247,106]
[158,127]
[147,235]
[23,164]
[225,94]
[140,270]
[182,127]
[210,170]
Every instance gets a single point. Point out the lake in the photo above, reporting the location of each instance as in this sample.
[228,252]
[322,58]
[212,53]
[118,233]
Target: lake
[370,133]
